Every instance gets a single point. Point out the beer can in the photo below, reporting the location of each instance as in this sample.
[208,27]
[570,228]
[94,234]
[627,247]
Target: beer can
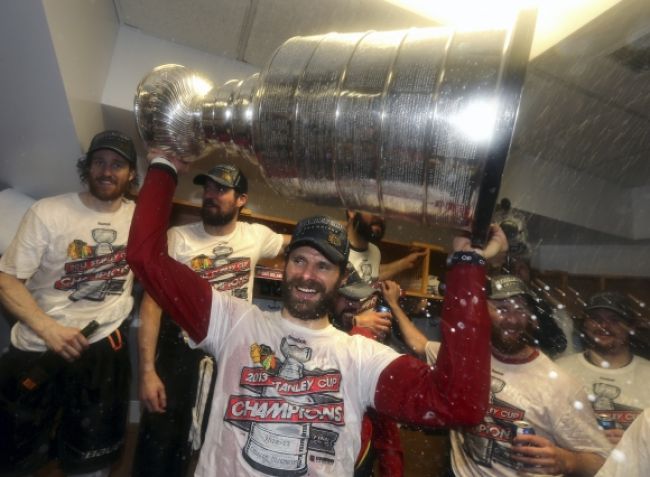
[606,421]
[524,428]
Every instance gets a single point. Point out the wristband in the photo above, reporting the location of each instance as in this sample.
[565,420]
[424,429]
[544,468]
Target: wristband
[469,258]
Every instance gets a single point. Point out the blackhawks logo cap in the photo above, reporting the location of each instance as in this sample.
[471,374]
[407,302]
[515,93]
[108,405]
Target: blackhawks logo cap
[226,175]
[325,235]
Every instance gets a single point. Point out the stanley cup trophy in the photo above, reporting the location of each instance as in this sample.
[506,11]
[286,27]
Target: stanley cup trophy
[412,124]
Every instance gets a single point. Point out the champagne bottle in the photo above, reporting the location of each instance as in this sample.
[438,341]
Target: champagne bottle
[49,363]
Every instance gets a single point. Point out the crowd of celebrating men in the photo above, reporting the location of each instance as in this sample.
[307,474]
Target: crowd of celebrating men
[311,388]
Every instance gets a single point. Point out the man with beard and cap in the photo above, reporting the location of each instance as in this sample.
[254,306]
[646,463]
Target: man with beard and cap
[555,324]
[527,390]
[364,233]
[616,380]
[223,251]
[291,389]
[65,269]
[355,306]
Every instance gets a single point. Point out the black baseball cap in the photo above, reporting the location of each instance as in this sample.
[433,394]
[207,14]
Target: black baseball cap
[354,287]
[226,175]
[325,235]
[506,286]
[613,301]
[115,141]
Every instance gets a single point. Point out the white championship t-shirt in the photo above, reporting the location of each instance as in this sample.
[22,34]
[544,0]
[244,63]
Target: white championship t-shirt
[287,398]
[74,261]
[537,392]
[621,393]
[227,262]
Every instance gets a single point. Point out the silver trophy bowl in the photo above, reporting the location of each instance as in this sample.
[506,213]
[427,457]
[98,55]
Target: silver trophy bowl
[168,110]
[415,124]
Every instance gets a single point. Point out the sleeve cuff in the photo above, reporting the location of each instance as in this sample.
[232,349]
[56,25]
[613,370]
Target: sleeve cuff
[163,161]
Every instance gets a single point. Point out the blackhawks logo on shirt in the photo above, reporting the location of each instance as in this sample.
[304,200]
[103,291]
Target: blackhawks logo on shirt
[94,270]
[224,272]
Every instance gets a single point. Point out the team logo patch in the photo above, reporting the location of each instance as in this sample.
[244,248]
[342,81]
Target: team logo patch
[334,240]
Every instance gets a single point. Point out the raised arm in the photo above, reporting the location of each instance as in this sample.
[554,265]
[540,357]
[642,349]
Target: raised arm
[413,337]
[389,270]
[179,291]
[455,391]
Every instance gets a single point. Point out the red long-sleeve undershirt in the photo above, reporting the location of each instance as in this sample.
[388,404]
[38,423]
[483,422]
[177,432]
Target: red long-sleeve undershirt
[453,393]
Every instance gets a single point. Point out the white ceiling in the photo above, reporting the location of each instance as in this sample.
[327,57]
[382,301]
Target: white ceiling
[585,107]
[251,30]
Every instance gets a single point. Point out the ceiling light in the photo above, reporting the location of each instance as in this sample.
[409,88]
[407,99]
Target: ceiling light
[556,19]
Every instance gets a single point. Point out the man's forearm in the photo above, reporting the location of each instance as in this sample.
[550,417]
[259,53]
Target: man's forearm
[20,303]
[150,315]
[389,270]
[414,339]
[582,464]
